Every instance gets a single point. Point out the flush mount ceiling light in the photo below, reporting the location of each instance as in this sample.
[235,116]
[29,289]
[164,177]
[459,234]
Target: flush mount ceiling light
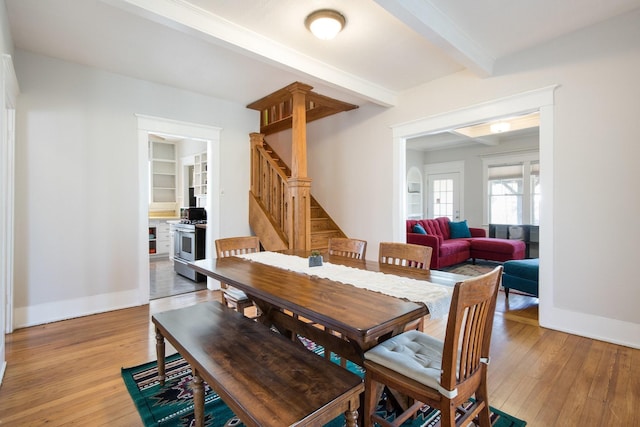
[500,127]
[325,24]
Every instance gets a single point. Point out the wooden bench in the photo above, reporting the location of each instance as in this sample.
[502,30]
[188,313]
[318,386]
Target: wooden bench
[266,379]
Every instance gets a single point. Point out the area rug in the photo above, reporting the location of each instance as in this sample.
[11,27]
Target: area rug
[172,404]
[470,269]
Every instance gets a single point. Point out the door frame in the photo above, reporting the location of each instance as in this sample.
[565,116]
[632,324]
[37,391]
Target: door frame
[9,95]
[158,125]
[541,100]
[443,168]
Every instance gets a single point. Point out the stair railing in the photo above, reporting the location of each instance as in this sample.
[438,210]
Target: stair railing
[269,185]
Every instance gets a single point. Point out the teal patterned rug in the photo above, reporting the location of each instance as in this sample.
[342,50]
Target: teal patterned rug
[172,404]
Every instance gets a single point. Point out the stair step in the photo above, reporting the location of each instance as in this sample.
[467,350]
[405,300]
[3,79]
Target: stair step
[316,212]
[320,239]
[321,224]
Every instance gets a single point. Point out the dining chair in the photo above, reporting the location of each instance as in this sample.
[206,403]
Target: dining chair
[351,248]
[410,256]
[233,297]
[405,255]
[442,374]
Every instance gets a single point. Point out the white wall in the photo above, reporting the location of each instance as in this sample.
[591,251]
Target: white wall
[593,289]
[77,182]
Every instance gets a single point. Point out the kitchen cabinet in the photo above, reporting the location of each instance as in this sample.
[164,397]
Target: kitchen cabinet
[159,238]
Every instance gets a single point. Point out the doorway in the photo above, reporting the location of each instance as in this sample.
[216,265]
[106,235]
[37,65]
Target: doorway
[211,135]
[443,195]
[541,100]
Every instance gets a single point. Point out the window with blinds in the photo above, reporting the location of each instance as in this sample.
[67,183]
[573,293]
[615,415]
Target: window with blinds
[514,192]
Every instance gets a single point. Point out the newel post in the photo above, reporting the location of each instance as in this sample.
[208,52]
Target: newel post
[299,212]
[299,184]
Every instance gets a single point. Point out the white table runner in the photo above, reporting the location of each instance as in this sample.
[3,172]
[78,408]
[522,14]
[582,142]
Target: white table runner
[436,297]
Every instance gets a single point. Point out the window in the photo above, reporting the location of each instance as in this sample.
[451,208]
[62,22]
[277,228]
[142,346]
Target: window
[513,190]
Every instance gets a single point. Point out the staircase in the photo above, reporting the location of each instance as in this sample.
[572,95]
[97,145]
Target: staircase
[267,215]
[322,227]
[282,212]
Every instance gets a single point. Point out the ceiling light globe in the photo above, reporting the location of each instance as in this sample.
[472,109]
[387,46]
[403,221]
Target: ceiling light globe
[325,24]
[500,127]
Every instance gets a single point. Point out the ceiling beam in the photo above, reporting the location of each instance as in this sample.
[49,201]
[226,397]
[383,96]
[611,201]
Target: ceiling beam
[186,17]
[428,21]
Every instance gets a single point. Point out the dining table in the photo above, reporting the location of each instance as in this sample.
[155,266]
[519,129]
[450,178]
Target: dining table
[343,305]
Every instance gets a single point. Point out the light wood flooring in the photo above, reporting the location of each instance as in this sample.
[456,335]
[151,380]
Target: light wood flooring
[68,372]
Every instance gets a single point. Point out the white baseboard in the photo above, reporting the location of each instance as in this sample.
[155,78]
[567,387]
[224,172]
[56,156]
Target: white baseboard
[3,368]
[595,327]
[61,310]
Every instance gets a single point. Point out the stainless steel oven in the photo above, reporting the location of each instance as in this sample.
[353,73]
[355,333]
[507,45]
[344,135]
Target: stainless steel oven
[189,245]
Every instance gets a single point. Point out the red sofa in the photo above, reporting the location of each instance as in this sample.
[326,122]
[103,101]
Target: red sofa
[448,251]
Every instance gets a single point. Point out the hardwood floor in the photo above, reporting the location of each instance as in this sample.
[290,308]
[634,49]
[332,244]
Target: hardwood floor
[68,372]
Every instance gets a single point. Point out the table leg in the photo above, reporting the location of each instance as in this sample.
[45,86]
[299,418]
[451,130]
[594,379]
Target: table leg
[352,418]
[160,356]
[198,398]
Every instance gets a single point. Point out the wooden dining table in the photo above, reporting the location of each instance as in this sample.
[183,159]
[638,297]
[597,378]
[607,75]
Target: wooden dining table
[352,319]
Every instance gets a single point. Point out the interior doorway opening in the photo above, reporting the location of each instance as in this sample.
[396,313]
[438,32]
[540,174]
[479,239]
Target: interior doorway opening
[147,126]
[541,100]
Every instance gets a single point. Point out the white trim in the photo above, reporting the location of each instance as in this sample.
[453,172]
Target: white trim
[78,307]
[521,103]
[445,168]
[197,21]
[539,99]
[3,369]
[187,130]
[8,93]
[431,23]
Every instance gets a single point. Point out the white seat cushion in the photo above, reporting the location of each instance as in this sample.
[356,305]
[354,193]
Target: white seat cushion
[413,354]
[235,294]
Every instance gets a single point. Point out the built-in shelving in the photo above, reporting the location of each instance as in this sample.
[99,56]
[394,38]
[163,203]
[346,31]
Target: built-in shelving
[414,194]
[162,192]
[200,175]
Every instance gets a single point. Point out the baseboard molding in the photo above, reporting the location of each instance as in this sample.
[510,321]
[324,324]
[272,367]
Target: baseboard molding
[78,307]
[595,327]
[3,368]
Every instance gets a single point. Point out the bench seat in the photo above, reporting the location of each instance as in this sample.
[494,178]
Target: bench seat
[266,379]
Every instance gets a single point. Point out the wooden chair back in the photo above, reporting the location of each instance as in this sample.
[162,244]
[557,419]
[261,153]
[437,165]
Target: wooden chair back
[351,248]
[231,246]
[468,334]
[237,246]
[405,255]
[465,355]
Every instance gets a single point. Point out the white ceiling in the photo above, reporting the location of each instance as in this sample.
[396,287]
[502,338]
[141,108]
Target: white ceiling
[242,50]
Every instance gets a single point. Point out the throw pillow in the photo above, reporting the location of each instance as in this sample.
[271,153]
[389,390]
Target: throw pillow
[419,229]
[459,230]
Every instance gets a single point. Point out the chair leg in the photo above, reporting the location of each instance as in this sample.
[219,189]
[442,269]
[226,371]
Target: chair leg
[447,414]
[372,394]
[482,395]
